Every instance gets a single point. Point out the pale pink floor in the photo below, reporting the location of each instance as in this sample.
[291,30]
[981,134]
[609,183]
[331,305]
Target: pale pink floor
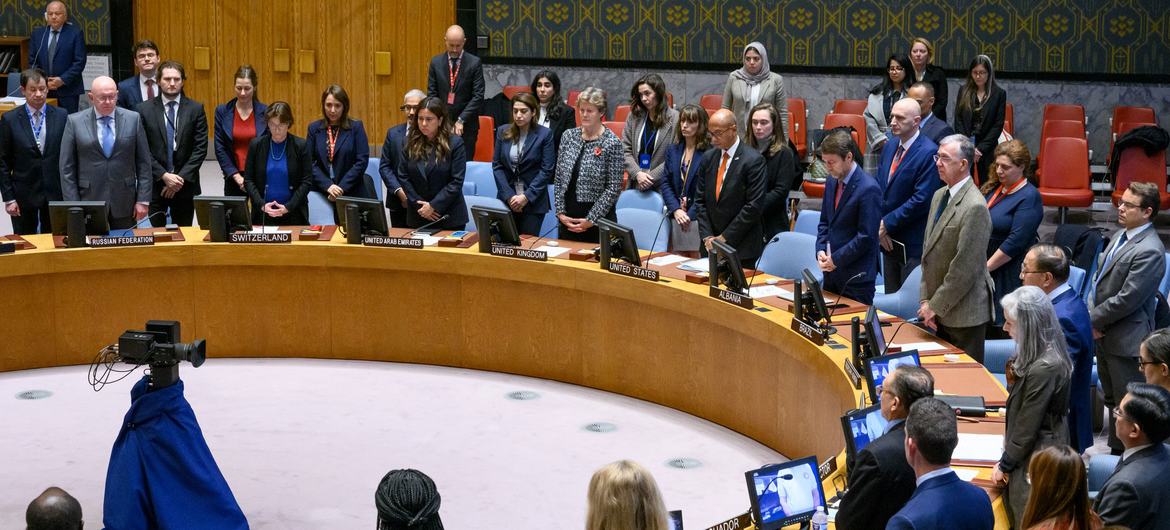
[303,443]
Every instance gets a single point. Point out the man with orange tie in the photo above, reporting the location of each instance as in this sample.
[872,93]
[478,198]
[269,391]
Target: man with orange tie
[847,238]
[908,179]
[732,180]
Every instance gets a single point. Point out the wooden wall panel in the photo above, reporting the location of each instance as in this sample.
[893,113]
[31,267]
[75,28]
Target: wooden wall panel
[343,36]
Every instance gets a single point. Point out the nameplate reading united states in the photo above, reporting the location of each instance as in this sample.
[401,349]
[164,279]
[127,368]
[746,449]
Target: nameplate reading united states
[808,331]
[519,252]
[625,269]
[393,242]
[261,237]
[128,241]
[732,297]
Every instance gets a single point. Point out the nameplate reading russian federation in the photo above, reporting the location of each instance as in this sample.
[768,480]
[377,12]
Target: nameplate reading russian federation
[393,242]
[519,252]
[261,237]
[739,522]
[128,241]
[625,269]
[732,297]
[808,331]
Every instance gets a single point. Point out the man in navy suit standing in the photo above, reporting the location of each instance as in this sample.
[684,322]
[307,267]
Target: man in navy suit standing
[58,49]
[144,86]
[908,179]
[847,238]
[1047,266]
[30,146]
[456,77]
[930,125]
[941,500]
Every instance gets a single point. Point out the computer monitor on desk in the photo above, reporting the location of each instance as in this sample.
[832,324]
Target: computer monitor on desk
[495,226]
[617,242]
[861,427]
[361,217]
[878,368]
[784,494]
[233,218]
[725,268]
[77,219]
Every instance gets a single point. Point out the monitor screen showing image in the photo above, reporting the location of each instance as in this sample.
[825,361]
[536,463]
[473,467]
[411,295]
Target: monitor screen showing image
[676,520]
[787,493]
[862,427]
[878,368]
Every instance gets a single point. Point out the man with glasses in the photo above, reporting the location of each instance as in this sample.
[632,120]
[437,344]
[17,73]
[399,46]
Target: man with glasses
[144,86]
[732,178]
[392,147]
[105,157]
[1122,294]
[956,287]
[1137,494]
[908,177]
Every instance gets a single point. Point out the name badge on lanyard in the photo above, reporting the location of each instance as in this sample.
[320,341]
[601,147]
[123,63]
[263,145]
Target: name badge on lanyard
[647,145]
[453,73]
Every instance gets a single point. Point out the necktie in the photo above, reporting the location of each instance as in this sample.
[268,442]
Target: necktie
[719,175]
[107,136]
[897,160]
[840,191]
[942,205]
[150,89]
[53,48]
[38,130]
[171,135]
[1092,298]
[1120,242]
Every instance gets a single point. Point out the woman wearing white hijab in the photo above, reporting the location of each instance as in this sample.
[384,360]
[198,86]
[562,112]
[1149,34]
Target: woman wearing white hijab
[753,84]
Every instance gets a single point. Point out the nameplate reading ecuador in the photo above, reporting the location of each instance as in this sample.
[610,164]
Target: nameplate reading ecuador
[261,237]
[519,252]
[808,331]
[732,297]
[128,241]
[625,269]
[741,522]
[392,242]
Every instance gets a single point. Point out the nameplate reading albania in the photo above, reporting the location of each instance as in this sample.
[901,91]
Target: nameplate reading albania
[519,252]
[732,297]
[392,242]
[626,269]
[129,241]
[261,237]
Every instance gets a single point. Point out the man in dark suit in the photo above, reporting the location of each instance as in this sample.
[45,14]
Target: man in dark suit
[396,200]
[732,181]
[1137,494]
[931,126]
[1121,295]
[880,478]
[941,501]
[908,179]
[30,147]
[58,49]
[1047,266]
[133,91]
[176,129]
[847,245]
[456,77]
[105,157]
[956,287]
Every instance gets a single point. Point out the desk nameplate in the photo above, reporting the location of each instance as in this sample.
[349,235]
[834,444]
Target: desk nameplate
[392,242]
[261,237]
[739,522]
[127,241]
[625,269]
[519,252]
[808,331]
[732,297]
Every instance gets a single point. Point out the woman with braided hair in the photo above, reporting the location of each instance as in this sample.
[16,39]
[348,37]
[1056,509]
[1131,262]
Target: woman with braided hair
[407,499]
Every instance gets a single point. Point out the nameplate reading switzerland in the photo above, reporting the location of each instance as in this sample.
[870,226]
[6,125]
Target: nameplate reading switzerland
[808,331]
[519,252]
[625,269]
[261,237]
[392,242]
[732,297]
[128,241]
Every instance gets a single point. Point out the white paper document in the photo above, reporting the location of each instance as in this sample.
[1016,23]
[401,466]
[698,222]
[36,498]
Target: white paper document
[967,474]
[428,241]
[979,447]
[921,346]
[764,291]
[696,265]
[670,259]
[552,251]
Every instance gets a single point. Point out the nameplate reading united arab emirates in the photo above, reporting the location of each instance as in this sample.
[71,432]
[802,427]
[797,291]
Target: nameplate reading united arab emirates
[625,269]
[808,331]
[393,242]
[261,237]
[732,297]
[128,241]
[518,252]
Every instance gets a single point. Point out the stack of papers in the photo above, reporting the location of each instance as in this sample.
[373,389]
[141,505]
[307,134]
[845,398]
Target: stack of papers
[979,447]
[696,265]
[764,291]
[920,346]
[552,251]
[669,259]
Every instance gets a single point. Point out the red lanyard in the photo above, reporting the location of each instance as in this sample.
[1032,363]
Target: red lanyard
[1000,193]
[454,73]
[332,140]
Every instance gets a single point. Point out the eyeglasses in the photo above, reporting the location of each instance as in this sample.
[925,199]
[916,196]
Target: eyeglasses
[1142,363]
[1129,205]
[406,108]
[717,132]
[1031,272]
[944,159]
[1120,413]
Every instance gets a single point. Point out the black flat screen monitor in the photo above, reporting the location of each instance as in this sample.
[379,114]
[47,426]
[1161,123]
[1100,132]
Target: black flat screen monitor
[878,368]
[676,520]
[875,339]
[784,494]
[617,242]
[725,269]
[235,211]
[496,226]
[862,427]
[815,309]
[96,215]
[370,218]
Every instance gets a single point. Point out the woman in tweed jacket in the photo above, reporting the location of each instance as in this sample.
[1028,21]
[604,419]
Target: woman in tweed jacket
[589,171]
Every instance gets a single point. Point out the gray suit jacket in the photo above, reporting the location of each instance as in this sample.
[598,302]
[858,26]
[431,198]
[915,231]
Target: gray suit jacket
[955,280]
[1136,495]
[1123,304]
[1037,408]
[737,97]
[632,142]
[86,173]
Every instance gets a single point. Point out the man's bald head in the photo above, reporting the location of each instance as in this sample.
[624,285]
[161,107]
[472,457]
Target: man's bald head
[103,94]
[55,509]
[904,118]
[722,129]
[455,40]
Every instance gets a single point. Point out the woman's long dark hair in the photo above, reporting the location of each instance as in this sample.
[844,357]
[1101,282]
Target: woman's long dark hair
[887,86]
[418,146]
[658,113]
[969,92]
[554,105]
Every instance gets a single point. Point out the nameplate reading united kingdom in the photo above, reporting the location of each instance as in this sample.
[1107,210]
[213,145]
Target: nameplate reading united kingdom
[392,242]
[261,237]
[128,241]
[808,331]
[519,252]
[732,297]
[625,269]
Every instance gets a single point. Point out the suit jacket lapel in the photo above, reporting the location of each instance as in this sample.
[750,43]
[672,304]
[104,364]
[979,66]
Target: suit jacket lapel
[1130,245]
[947,215]
[845,193]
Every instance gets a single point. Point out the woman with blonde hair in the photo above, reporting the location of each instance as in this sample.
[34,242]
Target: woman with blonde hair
[624,496]
[1060,492]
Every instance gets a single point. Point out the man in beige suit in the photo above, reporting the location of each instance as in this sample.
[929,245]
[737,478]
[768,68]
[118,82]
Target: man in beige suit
[956,287]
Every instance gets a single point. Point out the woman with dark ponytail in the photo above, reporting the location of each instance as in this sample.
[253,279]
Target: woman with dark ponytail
[407,498]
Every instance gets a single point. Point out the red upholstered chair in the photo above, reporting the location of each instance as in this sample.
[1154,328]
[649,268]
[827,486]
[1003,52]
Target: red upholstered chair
[799,121]
[485,141]
[670,100]
[1135,166]
[711,101]
[834,120]
[1064,175]
[616,126]
[1120,130]
[849,106]
[711,112]
[510,91]
[1122,115]
[572,102]
[1058,129]
[620,113]
[1065,111]
[1009,119]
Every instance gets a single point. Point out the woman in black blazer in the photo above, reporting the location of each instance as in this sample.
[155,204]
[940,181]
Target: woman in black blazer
[279,172]
[921,53]
[979,112]
[554,113]
[340,148]
[523,164]
[431,169]
[770,140]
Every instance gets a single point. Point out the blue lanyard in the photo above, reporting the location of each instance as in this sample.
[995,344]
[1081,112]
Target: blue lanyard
[648,140]
[36,128]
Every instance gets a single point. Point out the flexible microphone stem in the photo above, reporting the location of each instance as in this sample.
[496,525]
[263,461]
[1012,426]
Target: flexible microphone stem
[544,235]
[839,295]
[428,225]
